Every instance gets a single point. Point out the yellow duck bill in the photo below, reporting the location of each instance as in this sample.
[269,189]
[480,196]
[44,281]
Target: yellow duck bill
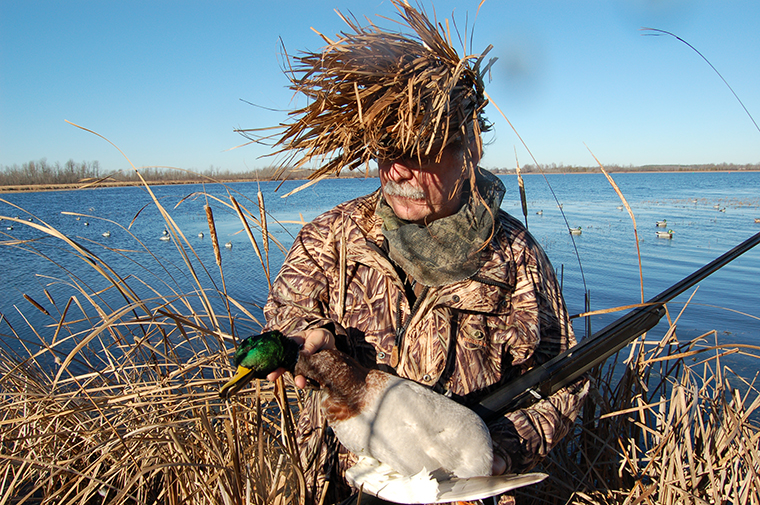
[242,377]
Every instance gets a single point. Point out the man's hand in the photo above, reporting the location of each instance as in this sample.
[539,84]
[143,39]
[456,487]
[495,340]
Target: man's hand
[311,341]
[499,465]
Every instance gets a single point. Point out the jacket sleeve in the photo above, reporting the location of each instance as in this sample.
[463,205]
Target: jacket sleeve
[524,437]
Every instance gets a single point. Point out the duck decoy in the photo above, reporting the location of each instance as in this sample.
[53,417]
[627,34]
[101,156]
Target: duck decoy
[228,245]
[540,213]
[107,234]
[575,231]
[415,445]
[664,234]
[200,235]
[165,232]
[86,223]
[165,238]
[662,224]
[757,219]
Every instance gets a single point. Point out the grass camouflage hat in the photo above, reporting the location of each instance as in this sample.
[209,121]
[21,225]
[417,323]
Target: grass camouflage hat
[373,93]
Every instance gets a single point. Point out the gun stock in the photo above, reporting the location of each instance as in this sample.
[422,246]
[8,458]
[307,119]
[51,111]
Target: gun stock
[546,379]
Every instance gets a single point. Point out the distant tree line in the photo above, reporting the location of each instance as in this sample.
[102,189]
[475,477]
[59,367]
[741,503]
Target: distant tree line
[72,173]
[560,168]
[42,172]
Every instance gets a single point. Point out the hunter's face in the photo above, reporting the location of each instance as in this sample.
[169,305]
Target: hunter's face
[423,190]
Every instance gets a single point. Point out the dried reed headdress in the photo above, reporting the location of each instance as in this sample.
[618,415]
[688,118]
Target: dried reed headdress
[380,94]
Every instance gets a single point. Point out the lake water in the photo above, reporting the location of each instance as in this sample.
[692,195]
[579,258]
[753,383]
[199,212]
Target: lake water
[709,213]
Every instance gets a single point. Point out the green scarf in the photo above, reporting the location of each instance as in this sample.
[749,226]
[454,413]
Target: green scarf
[448,249]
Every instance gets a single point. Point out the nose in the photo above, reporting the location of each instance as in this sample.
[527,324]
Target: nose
[398,171]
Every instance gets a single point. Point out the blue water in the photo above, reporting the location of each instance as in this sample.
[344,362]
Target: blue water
[606,263]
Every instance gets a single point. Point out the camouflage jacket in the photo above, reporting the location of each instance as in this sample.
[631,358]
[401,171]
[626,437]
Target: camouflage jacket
[463,339]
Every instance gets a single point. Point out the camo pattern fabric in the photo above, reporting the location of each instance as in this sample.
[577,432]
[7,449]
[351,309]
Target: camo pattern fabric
[462,339]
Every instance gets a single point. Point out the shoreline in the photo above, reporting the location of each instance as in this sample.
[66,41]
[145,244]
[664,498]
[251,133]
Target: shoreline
[38,188]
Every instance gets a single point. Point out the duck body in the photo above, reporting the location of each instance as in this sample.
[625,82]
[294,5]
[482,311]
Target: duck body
[397,421]
[662,224]
[414,445]
[664,234]
[576,231]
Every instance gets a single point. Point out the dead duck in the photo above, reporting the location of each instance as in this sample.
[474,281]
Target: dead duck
[415,445]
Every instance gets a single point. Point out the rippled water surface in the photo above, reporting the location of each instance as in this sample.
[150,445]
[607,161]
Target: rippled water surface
[709,213]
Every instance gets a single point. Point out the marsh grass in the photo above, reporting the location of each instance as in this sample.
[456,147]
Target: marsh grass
[115,400]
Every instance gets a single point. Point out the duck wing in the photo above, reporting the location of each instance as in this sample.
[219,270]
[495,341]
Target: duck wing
[379,479]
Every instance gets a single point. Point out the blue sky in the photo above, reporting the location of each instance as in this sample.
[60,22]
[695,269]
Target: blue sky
[165,80]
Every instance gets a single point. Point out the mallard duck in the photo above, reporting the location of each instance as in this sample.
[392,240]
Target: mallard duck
[664,234]
[662,224]
[200,235]
[415,445]
[165,238]
[106,234]
[228,245]
[575,231]
[540,213]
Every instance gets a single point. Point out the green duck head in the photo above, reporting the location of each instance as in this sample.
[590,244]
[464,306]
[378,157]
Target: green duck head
[259,355]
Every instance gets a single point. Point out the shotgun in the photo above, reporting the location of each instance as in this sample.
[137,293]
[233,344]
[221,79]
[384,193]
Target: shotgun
[546,379]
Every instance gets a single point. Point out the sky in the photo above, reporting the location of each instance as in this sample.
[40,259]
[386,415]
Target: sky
[168,82]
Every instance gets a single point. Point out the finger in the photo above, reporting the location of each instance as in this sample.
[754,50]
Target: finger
[273,376]
[300,381]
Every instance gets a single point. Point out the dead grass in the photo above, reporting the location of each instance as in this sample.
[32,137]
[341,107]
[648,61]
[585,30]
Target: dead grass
[118,403]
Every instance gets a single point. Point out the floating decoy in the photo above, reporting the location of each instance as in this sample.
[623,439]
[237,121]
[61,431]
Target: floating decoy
[663,223]
[575,231]
[107,234]
[86,223]
[415,445]
[664,234]
[78,218]
[165,238]
[9,228]
[165,232]
[200,235]
[540,213]
[228,245]
[620,207]
[757,219]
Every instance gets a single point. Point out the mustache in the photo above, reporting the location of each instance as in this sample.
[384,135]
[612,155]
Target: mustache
[403,190]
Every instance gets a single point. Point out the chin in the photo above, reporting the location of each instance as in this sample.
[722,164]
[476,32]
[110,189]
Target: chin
[410,210]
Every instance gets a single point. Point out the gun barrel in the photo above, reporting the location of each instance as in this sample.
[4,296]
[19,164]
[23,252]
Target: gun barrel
[548,378]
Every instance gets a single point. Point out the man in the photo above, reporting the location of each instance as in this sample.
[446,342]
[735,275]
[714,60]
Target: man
[426,278]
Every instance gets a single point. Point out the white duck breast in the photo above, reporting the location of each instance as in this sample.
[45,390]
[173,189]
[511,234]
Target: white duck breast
[410,428]
[396,421]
